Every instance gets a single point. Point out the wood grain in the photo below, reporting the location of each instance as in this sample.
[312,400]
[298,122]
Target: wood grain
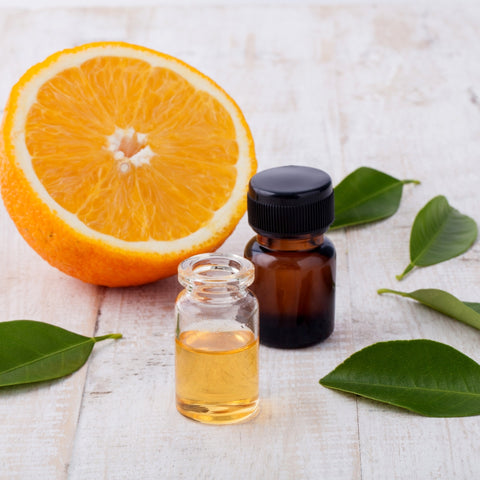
[394,88]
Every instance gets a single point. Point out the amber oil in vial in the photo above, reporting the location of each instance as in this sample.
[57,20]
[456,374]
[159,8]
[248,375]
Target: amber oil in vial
[217,375]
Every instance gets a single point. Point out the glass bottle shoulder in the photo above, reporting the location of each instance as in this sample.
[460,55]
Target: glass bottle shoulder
[326,249]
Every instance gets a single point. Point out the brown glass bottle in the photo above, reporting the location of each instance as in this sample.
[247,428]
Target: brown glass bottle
[290,208]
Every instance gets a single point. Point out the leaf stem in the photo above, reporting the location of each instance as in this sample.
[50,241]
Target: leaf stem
[416,182]
[388,290]
[408,269]
[114,336]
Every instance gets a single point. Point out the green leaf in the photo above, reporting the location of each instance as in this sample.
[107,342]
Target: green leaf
[35,351]
[473,306]
[366,195]
[423,376]
[439,233]
[445,303]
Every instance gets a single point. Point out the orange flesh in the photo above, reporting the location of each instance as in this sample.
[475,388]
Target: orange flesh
[190,134]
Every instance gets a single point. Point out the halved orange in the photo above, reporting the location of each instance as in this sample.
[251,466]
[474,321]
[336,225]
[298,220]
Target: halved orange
[119,161]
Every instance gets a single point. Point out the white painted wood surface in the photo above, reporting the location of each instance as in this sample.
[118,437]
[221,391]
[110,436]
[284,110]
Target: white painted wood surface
[392,87]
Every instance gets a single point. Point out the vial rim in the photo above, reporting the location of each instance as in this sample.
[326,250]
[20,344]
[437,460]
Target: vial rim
[225,269]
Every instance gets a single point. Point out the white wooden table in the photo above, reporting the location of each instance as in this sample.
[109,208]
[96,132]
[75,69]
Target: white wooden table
[393,87]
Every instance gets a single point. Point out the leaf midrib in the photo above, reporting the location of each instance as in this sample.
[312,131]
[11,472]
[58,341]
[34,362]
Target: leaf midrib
[462,311]
[434,237]
[369,197]
[437,308]
[44,357]
[399,387]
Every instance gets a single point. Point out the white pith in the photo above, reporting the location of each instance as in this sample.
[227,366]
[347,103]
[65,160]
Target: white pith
[221,218]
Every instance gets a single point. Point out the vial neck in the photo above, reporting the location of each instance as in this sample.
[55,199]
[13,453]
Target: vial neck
[298,243]
[217,293]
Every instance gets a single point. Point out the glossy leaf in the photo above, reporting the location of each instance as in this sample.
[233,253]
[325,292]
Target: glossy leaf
[35,351]
[439,233]
[366,195]
[423,376]
[445,303]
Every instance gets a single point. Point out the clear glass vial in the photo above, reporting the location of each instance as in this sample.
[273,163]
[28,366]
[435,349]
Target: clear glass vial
[290,208]
[216,356]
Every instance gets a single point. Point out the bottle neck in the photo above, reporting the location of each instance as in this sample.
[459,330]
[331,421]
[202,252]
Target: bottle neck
[293,244]
[216,293]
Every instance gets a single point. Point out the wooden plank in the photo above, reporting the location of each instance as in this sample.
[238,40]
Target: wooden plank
[408,111]
[39,422]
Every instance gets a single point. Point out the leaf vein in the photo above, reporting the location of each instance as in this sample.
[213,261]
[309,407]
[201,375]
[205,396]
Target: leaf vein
[432,240]
[367,198]
[400,387]
[44,357]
